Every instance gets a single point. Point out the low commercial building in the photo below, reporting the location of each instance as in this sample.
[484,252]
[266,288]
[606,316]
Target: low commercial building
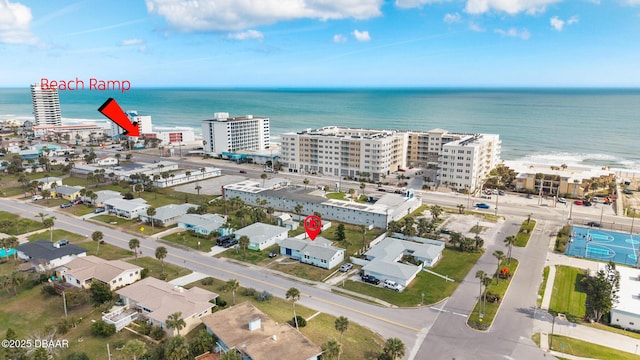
[261,236]
[167,215]
[319,252]
[130,209]
[44,256]
[246,329]
[626,312]
[204,224]
[82,271]
[107,161]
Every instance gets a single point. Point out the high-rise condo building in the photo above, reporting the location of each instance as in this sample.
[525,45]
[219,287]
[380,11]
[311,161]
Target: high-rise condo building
[341,151]
[46,106]
[232,134]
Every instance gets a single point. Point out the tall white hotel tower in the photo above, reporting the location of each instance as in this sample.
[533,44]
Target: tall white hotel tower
[46,106]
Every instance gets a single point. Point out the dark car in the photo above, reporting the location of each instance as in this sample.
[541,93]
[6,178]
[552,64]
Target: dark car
[99,210]
[593,224]
[586,203]
[482,206]
[229,243]
[370,279]
[223,239]
[243,171]
[529,196]
[66,205]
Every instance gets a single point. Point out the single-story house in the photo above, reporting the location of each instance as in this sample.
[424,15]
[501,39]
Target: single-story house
[167,215]
[44,256]
[107,161]
[103,195]
[248,330]
[82,271]
[318,252]
[47,182]
[261,235]
[385,260]
[201,224]
[285,220]
[129,209]
[67,192]
[626,311]
[156,300]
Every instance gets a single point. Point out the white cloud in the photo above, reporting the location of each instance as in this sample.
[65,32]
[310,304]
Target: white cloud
[523,34]
[475,27]
[339,38]
[631,2]
[246,35]
[559,24]
[361,35]
[572,20]
[130,42]
[509,6]
[231,15]
[15,22]
[406,4]
[452,18]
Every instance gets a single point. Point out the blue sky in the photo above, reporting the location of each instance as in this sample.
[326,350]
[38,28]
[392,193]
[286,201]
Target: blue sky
[316,43]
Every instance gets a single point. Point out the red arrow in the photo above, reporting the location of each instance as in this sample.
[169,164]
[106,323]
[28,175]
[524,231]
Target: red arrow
[112,110]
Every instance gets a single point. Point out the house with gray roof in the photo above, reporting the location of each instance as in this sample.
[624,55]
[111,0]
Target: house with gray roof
[47,182]
[389,259]
[319,252]
[103,195]
[130,209]
[261,235]
[67,192]
[167,215]
[43,255]
[203,224]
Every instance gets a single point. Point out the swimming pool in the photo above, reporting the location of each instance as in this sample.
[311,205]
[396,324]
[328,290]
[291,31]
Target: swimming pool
[4,252]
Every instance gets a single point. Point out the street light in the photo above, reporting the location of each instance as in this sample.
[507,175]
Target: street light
[633,217]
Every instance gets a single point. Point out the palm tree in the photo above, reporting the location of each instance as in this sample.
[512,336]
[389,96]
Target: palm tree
[500,256]
[42,216]
[436,210]
[480,274]
[198,188]
[161,253]
[363,228]
[97,236]
[509,241]
[12,242]
[293,295]
[305,182]
[341,324]
[134,244]
[231,354]
[151,212]
[264,177]
[331,350]
[233,285]
[243,241]
[298,209]
[176,348]
[15,280]
[175,321]
[394,347]
[362,187]
[48,222]
[460,209]
[486,281]
[134,348]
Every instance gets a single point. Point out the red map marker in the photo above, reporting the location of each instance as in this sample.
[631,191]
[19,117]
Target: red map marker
[113,112]
[313,226]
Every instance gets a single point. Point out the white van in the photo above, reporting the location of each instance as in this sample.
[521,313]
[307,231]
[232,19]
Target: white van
[36,197]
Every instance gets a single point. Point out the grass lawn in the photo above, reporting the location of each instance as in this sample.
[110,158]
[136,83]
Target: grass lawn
[453,264]
[301,270]
[298,231]
[523,236]
[491,309]
[113,220]
[79,210]
[336,196]
[568,297]
[543,286]
[77,181]
[155,268]
[190,239]
[581,348]
[359,343]
[254,257]
[21,225]
[536,338]
[106,251]
[57,235]
[353,233]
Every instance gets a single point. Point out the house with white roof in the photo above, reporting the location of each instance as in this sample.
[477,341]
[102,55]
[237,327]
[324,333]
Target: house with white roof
[391,259]
[319,252]
[103,195]
[46,182]
[626,312]
[129,209]
[82,271]
[168,215]
[107,161]
[203,224]
[155,300]
[261,235]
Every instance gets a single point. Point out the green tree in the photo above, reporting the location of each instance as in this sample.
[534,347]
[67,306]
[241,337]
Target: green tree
[175,321]
[100,292]
[264,177]
[176,348]
[363,228]
[232,354]
[305,182]
[151,212]
[363,186]
[436,211]
[15,280]
[12,243]
[341,324]
[331,350]
[508,242]
[460,209]
[49,223]
[134,348]
[161,253]
[97,236]
[243,241]
[394,348]
[134,245]
[602,291]
[47,195]
[408,229]
[499,254]
[293,295]
[340,233]
[298,209]
[232,285]
[201,343]
[198,188]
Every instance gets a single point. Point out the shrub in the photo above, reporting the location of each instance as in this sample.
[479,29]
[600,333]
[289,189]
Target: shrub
[128,196]
[144,273]
[101,328]
[145,328]
[301,321]
[157,333]
[207,281]
[492,297]
[48,290]
[163,276]
[119,344]
[264,296]
[249,292]
[221,303]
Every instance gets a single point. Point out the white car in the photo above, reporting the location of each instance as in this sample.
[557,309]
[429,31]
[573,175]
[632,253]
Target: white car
[346,267]
[36,197]
[390,284]
[562,200]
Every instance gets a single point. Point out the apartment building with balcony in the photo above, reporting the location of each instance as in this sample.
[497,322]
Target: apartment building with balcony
[46,106]
[345,152]
[232,134]
[424,147]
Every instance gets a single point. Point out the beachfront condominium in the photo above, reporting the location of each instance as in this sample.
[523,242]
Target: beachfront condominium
[224,134]
[344,152]
[424,147]
[464,164]
[46,106]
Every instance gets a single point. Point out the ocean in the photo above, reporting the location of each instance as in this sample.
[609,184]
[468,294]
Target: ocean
[594,127]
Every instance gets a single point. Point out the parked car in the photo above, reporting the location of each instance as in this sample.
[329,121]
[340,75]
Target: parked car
[99,210]
[501,193]
[586,203]
[529,196]
[628,191]
[370,279]
[66,205]
[223,239]
[346,267]
[63,242]
[562,200]
[36,197]
[230,243]
[593,224]
[273,254]
[390,284]
[482,206]
[578,202]
[243,171]
[78,202]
